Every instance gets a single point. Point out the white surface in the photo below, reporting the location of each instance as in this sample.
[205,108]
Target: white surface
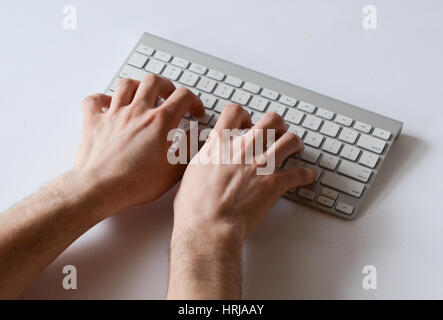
[395,70]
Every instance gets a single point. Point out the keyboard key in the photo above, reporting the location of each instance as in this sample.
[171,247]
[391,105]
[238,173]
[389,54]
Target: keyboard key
[256,116]
[299,131]
[137,60]
[305,193]
[206,84]
[163,56]
[251,87]
[208,100]
[345,208]
[270,94]
[344,184]
[221,104]
[180,62]
[328,162]
[332,146]
[325,113]
[258,103]
[288,100]
[233,81]
[313,139]
[354,170]
[383,134]
[197,68]
[145,49]
[307,107]
[223,91]
[325,201]
[155,66]
[194,91]
[329,193]
[310,155]
[241,97]
[277,108]
[132,73]
[216,75]
[368,159]
[330,129]
[372,144]
[363,127]
[189,78]
[348,135]
[214,120]
[346,121]
[114,83]
[172,72]
[312,122]
[294,116]
[350,152]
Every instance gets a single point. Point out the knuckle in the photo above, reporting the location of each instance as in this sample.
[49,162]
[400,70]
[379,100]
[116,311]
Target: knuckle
[124,82]
[91,99]
[151,78]
[304,174]
[217,134]
[293,142]
[87,100]
[161,115]
[293,139]
[184,92]
[234,108]
[273,117]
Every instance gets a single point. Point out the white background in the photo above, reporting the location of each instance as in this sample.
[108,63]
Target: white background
[395,70]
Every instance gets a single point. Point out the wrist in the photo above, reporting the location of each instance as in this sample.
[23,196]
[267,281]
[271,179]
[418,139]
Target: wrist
[204,235]
[205,264]
[88,192]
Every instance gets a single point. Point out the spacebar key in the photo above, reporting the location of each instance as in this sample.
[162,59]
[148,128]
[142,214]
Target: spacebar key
[349,186]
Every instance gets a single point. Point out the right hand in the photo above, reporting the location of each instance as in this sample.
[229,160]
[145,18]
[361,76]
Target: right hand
[228,201]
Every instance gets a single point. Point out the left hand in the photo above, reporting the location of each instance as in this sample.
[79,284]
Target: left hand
[123,152]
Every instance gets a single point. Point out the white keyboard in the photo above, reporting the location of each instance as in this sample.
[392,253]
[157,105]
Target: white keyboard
[345,144]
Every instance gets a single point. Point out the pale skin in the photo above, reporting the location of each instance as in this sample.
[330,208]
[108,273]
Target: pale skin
[215,209]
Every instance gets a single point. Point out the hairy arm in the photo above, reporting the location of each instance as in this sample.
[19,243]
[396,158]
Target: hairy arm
[218,205]
[205,266]
[124,138]
[34,232]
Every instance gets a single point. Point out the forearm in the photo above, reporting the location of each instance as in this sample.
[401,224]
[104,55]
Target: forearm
[204,266]
[36,231]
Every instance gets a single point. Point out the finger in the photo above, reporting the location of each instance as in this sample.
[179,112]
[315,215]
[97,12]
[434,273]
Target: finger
[93,104]
[124,92]
[182,100]
[150,89]
[269,121]
[288,144]
[233,116]
[295,177]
